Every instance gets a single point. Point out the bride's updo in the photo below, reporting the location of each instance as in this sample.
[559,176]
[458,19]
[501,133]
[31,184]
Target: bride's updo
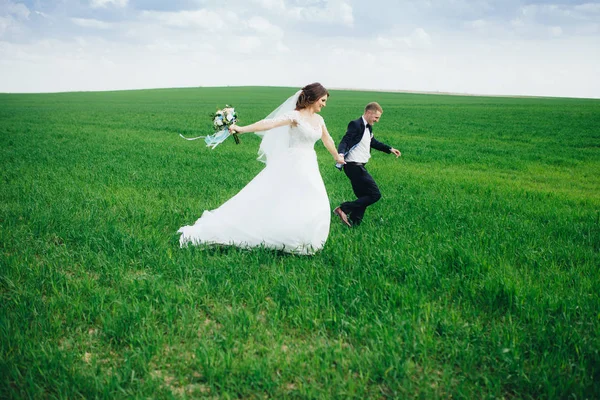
[310,94]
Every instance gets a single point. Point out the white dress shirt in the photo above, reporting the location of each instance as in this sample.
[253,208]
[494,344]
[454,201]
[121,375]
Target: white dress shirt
[361,153]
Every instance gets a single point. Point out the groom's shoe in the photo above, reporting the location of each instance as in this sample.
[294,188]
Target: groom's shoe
[338,211]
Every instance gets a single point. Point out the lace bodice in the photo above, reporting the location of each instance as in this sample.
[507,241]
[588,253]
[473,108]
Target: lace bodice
[303,133]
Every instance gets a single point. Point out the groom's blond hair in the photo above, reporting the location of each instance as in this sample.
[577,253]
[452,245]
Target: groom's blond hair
[373,106]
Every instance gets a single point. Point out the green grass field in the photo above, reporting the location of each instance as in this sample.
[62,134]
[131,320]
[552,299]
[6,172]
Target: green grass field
[476,275]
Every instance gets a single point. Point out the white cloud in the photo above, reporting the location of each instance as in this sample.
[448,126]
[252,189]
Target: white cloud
[477,24]
[253,37]
[517,23]
[275,5]
[592,8]
[458,7]
[535,21]
[17,10]
[556,31]
[562,12]
[105,3]
[385,42]
[91,23]
[245,44]
[537,68]
[264,27]
[12,16]
[334,12]
[417,39]
[5,24]
[440,45]
[208,20]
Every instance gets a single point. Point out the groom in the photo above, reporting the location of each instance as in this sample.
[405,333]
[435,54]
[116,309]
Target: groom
[356,149]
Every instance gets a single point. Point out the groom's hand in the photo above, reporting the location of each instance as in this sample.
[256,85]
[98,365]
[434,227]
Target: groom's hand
[396,152]
[340,159]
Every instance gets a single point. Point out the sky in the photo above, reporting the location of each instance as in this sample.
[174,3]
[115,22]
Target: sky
[508,47]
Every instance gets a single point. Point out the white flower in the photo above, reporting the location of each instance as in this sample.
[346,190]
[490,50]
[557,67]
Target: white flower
[229,117]
[219,122]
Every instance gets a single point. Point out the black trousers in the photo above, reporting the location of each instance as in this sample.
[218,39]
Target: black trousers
[365,189]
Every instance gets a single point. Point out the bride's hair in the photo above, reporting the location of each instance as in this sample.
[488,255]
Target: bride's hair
[310,94]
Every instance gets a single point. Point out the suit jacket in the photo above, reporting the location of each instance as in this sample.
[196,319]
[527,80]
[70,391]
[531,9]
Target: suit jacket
[353,136]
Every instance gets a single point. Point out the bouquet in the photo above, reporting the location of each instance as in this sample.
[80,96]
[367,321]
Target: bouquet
[222,120]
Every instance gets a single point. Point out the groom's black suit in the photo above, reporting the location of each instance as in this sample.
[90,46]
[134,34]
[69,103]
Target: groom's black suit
[363,184]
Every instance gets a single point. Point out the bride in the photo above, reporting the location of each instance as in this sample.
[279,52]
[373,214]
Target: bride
[285,207]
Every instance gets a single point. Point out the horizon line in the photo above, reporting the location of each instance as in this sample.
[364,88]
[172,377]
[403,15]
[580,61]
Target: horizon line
[405,91]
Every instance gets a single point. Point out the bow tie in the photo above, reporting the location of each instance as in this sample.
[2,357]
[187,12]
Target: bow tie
[370,127]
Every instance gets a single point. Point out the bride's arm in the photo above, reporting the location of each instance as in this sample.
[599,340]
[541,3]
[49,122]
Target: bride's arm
[330,145]
[262,125]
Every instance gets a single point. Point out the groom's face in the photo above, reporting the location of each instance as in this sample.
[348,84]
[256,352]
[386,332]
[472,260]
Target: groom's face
[372,116]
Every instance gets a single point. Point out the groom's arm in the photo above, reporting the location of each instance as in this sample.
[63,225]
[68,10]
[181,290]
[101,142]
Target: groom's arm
[344,146]
[377,145]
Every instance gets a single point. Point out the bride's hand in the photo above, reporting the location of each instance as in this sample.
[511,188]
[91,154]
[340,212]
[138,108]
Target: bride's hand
[339,158]
[233,128]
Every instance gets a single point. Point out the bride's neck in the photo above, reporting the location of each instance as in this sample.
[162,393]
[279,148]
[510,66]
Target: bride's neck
[307,111]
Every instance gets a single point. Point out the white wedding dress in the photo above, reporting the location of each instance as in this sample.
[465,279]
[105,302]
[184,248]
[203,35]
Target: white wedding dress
[285,207]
